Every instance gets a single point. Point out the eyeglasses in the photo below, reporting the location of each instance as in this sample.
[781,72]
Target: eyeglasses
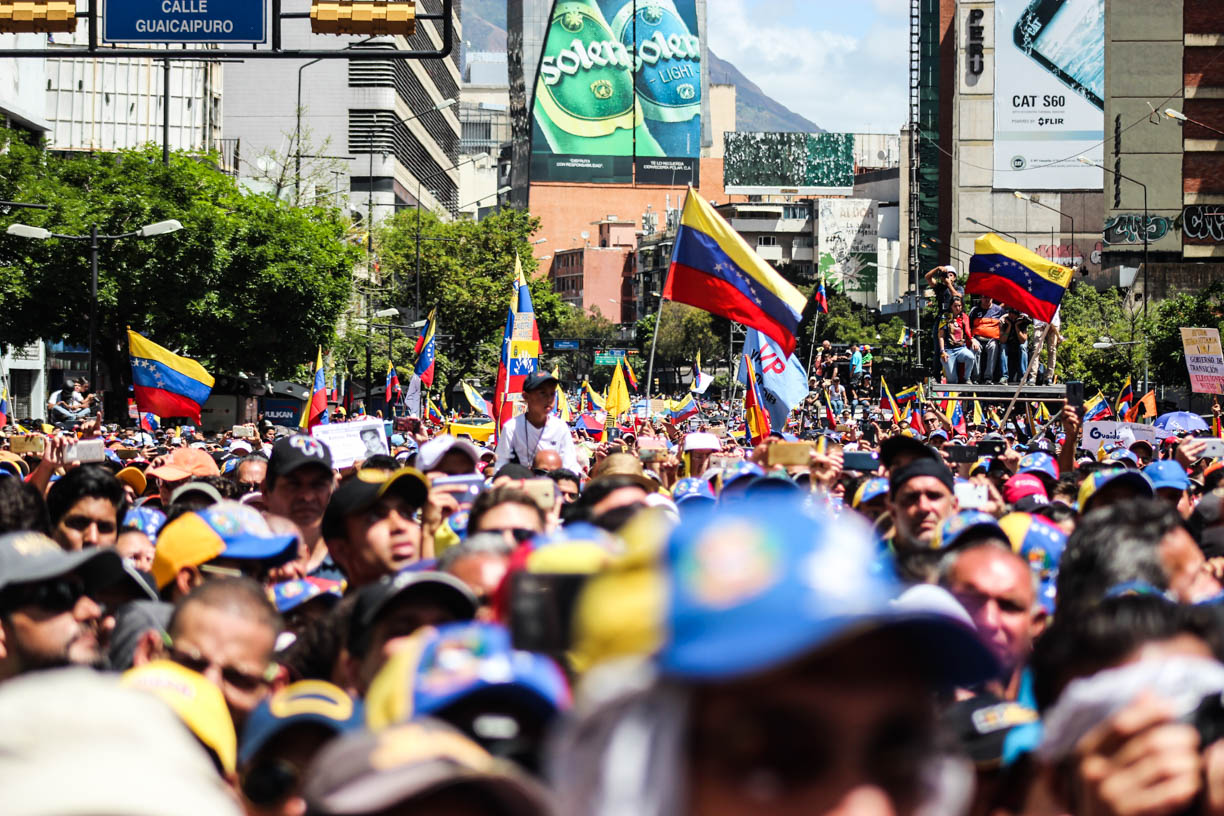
[236,678]
[82,523]
[269,782]
[60,595]
[520,534]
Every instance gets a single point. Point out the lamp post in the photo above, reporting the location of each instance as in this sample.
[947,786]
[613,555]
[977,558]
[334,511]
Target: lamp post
[1183,118]
[1146,291]
[973,220]
[41,234]
[420,181]
[1031,200]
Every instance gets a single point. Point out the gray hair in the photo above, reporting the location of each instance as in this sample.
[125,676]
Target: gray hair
[477,544]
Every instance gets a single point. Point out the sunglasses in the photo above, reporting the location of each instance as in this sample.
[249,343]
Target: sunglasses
[60,595]
[233,677]
[520,534]
[82,523]
[270,782]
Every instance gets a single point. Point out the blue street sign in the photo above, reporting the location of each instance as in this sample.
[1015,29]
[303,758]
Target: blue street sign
[183,21]
[565,345]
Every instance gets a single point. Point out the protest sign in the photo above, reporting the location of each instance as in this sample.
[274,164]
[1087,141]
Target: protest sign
[1204,360]
[1109,432]
[352,441]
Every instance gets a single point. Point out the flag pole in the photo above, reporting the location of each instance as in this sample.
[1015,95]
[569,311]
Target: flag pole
[1032,366]
[654,344]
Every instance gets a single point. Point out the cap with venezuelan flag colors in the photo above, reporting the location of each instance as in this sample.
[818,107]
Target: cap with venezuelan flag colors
[306,702]
[743,589]
[226,528]
[197,702]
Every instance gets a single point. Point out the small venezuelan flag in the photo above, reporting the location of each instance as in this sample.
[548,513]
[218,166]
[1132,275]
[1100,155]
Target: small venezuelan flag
[165,383]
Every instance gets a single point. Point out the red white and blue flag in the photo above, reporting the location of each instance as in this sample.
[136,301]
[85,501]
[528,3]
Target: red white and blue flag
[520,349]
[424,351]
[315,412]
[393,391]
[821,299]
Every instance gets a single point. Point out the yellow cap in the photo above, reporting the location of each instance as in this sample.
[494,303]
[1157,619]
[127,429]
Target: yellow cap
[197,702]
[188,541]
[135,477]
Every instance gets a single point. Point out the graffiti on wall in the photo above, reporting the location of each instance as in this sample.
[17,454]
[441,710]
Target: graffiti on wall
[1127,228]
[1204,222]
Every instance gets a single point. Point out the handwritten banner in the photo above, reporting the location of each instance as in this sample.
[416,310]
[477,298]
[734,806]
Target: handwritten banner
[1204,360]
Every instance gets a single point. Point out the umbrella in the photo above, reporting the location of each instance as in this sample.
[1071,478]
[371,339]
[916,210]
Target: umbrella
[1180,421]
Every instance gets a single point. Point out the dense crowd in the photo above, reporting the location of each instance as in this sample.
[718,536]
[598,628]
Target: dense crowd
[662,620]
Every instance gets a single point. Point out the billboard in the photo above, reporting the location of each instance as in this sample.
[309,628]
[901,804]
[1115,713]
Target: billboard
[618,93]
[788,163]
[1049,87]
[848,235]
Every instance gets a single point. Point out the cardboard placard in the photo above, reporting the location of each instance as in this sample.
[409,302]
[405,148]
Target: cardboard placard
[352,441]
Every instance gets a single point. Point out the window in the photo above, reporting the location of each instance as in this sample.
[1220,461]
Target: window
[799,211]
[766,240]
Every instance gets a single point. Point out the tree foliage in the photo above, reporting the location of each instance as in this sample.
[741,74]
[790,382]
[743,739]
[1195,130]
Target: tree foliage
[685,331]
[1203,310]
[1089,315]
[249,284]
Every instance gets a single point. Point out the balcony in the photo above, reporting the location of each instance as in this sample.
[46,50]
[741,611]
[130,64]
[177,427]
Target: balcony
[770,253]
[802,254]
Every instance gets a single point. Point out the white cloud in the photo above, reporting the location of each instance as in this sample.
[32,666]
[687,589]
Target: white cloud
[841,81]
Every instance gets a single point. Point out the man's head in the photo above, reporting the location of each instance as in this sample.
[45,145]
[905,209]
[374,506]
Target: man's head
[447,455]
[250,472]
[546,460]
[569,484]
[226,630]
[920,497]
[299,481]
[372,527]
[998,590]
[481,562]
[508,510]
[48,615]
[86,507]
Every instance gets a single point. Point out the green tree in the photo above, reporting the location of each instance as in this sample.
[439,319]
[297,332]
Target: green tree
[249,283]
[685,331]
[1087,316]
[1204,310]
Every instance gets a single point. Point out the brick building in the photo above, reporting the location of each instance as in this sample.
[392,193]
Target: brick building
[598,276]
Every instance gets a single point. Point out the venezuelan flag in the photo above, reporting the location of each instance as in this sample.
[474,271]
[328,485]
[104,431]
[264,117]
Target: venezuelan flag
[164,383]
[908,395]
[821,298]
[479,404]
[425,350]
[595,399]
[4,407]
[714,269]
[433,414]
[1097,408]
[1016,277]
[682,409]
[315,410]
[756,418]
[630,377]
[1125,397]
[889,402]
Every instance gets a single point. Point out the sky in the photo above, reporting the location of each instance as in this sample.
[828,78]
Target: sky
[844,64]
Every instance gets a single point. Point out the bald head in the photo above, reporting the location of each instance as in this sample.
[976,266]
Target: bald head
[546,460]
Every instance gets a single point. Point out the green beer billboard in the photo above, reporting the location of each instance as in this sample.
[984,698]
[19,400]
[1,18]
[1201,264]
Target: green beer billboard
[618,93]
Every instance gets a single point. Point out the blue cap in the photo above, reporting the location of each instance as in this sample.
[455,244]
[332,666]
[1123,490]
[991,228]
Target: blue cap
[289,595]
[148,520]
[750,587]
[1040,463]
[982,465]
[870,489]
[940,432]
[740,470]
[1167,474]
[1096,481]
[1125,455]
[691,488]
[955,529]
[307,702]
[397,439]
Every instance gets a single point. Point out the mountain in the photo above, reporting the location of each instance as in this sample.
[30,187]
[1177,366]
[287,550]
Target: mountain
[484,29]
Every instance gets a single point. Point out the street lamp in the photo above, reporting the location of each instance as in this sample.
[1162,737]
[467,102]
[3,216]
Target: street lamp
[1031,200]
[41,234]
[417,303]
[973,220]
[1108,343]
[1146,291]
[1183,118]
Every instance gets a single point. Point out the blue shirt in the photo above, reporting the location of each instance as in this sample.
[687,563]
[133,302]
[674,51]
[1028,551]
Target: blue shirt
[856,362]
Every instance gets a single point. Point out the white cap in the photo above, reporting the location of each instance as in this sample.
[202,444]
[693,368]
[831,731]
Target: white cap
[701,441]
[239,445]
[431,452]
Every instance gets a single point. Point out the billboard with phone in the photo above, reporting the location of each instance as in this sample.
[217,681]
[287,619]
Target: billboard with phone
[1049,90]
[618,93]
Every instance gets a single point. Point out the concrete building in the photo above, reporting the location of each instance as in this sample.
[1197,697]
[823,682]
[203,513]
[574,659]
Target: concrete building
[484,122]
[23,85]
[782,233]
[1149,51]
[598,277]
[374,122]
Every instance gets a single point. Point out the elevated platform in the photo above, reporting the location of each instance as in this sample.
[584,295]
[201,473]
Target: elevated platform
[998,393]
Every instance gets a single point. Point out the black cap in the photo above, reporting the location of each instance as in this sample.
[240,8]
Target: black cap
[922,466]
[297,451]
[366,487]
[448,591]
[895,446]
[981,725]
[538,380]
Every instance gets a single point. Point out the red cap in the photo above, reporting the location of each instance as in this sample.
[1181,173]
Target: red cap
[1021,485]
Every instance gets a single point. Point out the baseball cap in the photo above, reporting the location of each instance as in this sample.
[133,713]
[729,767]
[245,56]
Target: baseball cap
[431,453]
[1041,543]
[1038,462]
[981,725]
[701,440]
[964,526]
[1114,476]
[922,466]
[938,432]
[133,477]
[1167,474]
[365,488]
[1023,485]
[372,599]
[368,772]
[226,528]
[297,451]
[306,702]
[690,488]
[468,661]
[741,589]
[1124,457]
[538,380]
[197,702]
[183,463]
[899,445]
[27,557]
[870,489]
[132,621]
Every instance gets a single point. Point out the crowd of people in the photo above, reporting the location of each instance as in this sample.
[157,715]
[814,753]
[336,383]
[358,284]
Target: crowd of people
[663,620]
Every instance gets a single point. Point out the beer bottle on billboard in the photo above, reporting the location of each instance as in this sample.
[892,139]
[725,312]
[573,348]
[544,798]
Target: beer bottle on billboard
[584,100]
[667,69]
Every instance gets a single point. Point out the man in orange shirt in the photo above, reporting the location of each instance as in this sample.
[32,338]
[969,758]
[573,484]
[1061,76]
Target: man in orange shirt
[986,322]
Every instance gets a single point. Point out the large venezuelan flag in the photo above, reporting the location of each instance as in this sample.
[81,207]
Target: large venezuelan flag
[520,349]
[714,269]
[164,383]
[1017,277]
[425,350]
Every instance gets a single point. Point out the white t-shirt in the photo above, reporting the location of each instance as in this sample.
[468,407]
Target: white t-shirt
[520,438]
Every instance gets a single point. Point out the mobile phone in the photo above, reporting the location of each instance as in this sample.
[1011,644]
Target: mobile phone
[789,453]
[464,488]
[651,455]
[722,461]
[85,451]
[1058,36]
[1213,447]
[127,453]
[961,453]
[542,610]
[1075,393]
[991,447]
[862,461]
[612,435]
[971,496]
[242,432]
[27,444]
[543,491]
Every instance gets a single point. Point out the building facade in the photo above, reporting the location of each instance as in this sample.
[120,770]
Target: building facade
[598,277]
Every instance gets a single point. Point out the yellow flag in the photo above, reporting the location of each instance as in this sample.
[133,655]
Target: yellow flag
[977,413]
[617,401]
